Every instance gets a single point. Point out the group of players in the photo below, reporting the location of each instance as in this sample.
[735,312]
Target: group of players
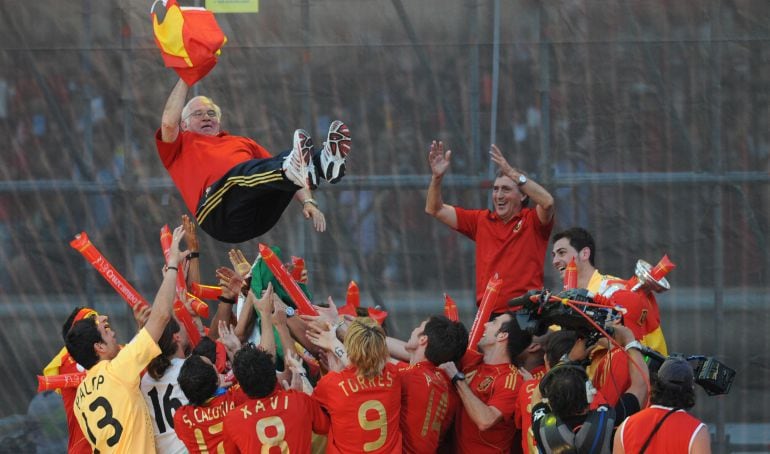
[332,383]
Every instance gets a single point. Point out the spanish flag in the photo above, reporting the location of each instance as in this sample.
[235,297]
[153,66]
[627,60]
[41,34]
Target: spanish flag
[189,39]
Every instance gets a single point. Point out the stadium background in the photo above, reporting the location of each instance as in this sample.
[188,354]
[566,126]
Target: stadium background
[647,120]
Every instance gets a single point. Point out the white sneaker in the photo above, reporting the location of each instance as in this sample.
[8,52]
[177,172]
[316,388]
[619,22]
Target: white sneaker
[295,164]
[336,148]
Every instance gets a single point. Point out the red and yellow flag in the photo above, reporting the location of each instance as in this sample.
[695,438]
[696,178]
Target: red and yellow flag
[189,39]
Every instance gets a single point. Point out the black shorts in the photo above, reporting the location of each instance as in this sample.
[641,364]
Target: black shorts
[247,201]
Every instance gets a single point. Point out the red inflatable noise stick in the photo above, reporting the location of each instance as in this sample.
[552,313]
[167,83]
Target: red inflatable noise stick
[485,311]
[285,279]
[450,308]
[83,245]
[200,307]
[297,269]
[53,382]
[570,275]
[180,310]
[206,292]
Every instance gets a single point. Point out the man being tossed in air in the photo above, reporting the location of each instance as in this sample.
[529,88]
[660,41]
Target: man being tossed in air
[232,185]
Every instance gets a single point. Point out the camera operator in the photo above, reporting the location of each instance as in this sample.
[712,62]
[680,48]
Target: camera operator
[561,415]
[666,426]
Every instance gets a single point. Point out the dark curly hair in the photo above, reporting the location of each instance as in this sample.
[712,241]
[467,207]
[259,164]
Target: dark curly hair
[255,370]
[447,340]
[198,380]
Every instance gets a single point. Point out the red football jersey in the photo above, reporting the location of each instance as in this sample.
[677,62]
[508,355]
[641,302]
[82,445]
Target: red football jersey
[609,374]
[364,412]
[524,415]
[427,408]
[497,386]
[283,420]
[201,428]
[77,442]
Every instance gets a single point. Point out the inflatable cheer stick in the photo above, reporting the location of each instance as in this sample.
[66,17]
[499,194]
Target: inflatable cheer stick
[53,382]
[180,311]
[570,275]
[285,279]
[450,308]
[206,292]
[83,245]
[485,310]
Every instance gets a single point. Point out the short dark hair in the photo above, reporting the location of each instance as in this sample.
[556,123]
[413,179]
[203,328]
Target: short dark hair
[80,342]
[447,340]
[579,238]
[198,380]
[558,344]
[206,347]
[565,388]
[65,328]
[671,395]
[518,339]
[168,347]
[255,370]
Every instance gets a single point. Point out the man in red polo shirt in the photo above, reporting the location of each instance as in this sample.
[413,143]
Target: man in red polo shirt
[488,387]
[511,240]
[232,185]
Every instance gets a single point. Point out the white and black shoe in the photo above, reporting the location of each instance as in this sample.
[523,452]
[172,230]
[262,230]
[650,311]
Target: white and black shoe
[295,165]
[335,150]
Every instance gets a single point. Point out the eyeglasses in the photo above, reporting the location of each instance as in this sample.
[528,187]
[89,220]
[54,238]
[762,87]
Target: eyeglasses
[202,113]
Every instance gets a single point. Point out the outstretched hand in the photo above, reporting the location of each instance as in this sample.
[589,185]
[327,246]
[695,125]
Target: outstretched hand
[190,236]
[439,161]
[239,262]
[230,281]
[502,163]
[312,212]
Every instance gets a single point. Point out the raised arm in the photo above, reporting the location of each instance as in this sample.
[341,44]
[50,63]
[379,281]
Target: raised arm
[637,368]
[434,204]
[172,112]
[164,299]
[191,240]
[483,415]
[264,306]
[542,198]
[397,348]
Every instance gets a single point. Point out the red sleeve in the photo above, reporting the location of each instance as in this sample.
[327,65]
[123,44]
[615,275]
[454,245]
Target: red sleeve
[168,151]
[467,221]
[470,359]
[320,419]
[543,230]
[505,395]
[614,382]
[321,391]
